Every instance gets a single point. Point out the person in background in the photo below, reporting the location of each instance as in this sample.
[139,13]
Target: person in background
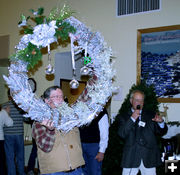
[5,120]
[59,153]
[94,139]
[139,128]
[14,139]
[33,155]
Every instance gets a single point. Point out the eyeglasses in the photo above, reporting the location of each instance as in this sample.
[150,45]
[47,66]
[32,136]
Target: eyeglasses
[56,96]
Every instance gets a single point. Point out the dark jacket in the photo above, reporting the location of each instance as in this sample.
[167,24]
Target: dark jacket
[140,142]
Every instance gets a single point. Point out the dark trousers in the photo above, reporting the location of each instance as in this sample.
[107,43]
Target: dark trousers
[92,166]
[14,149]
[32,157]
[2,159]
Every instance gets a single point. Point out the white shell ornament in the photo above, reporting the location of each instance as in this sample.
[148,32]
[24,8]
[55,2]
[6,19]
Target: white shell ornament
[85,70]
[74,84]
[49,69]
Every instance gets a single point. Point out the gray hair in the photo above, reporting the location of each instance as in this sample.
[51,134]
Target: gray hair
[47,92]
[136,91]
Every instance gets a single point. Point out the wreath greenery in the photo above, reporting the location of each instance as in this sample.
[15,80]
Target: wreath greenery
[32,53]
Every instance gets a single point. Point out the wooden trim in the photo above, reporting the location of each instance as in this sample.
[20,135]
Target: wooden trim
[169,100]
[27,142]
[138,80]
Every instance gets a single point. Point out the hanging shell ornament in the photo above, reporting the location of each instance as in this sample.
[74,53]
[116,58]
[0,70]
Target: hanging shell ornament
[74,84]
[49,69]
[85,70]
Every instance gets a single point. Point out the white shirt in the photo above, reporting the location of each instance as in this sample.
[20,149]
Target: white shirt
[104,133]
[5,120]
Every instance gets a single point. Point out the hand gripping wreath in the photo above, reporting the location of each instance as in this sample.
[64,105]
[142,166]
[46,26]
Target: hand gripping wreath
[99,87]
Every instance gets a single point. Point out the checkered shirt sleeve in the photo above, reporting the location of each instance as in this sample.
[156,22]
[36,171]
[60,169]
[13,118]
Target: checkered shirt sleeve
[44,137]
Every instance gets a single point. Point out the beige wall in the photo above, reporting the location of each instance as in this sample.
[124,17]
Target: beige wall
[119,32]
[3,90]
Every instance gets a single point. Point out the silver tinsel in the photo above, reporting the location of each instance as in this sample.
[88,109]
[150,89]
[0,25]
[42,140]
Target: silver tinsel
[99,88]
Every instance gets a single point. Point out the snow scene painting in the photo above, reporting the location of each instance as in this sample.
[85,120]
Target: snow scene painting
[160,62]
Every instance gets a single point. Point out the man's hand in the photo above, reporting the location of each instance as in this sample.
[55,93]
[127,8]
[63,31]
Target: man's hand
[136,114]
[158,119]
[48,123]
[99,157]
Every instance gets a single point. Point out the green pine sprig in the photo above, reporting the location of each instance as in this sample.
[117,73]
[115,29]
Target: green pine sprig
[40,11]
[177,123]
[28,30]
[63,30]
[31,54]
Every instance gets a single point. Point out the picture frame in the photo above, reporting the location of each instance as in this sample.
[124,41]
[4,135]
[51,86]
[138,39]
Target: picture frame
[158,61]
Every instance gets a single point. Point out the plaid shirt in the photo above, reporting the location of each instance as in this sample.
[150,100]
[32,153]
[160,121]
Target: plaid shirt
[44,137]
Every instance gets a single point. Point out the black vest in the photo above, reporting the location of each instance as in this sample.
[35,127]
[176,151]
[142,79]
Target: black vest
[91,133]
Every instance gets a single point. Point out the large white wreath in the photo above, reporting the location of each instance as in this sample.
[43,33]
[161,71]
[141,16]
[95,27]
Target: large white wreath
[97,92]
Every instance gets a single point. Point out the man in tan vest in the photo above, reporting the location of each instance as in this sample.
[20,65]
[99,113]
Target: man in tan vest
[58,153]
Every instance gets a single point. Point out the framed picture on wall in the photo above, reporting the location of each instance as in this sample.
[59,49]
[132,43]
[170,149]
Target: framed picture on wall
[158,61]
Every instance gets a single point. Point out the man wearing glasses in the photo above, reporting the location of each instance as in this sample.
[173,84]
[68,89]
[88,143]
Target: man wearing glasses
[58,153]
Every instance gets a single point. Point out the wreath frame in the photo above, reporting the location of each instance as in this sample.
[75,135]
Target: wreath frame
[99,87]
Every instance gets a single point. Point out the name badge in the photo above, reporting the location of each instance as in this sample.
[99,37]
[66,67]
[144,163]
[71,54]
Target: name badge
[141,123]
